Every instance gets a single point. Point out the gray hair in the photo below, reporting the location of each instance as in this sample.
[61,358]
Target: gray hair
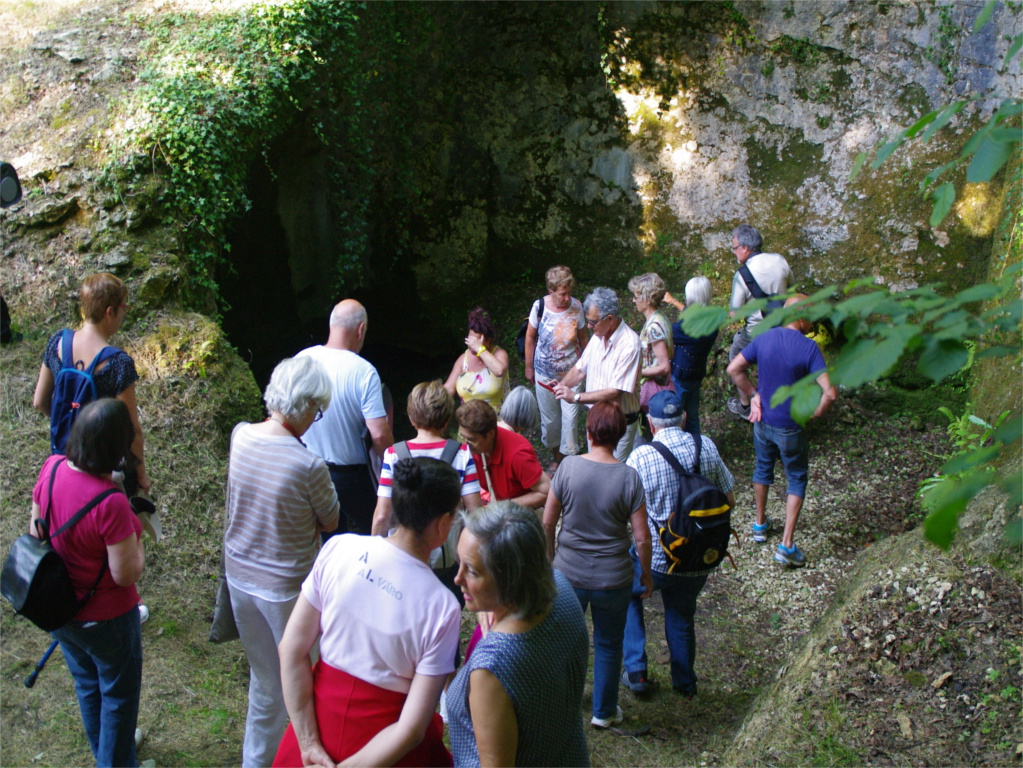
[605,300]
[748,237]
[520,411]
[649,288]
[296,385]
[347,316]
[698,291]
[674,421]
[513,548]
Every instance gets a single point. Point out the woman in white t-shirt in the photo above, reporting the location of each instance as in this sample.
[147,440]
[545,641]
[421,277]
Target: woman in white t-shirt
[387,632]
[554,340]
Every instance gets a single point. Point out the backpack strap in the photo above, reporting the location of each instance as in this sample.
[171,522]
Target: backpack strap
[401,451]
[104,354]
[67,354]
[451,448]
[539,311]
[662,449]
[751,283]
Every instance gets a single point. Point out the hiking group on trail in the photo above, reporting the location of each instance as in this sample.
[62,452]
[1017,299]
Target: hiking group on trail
[348,558]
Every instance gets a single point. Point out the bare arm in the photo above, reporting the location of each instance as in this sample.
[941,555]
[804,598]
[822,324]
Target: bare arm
[531,336]
[536,496]
[493,720]
[738,369]
[584,337]
[641,534]
[609,395]
[551,514]
[383,519]
[300,635]
[126,559]
[662,365]
[472,501]
[380,434]
[137,445]
[36,514]
[42,398]
[393,742]
[456,371]
[828,395]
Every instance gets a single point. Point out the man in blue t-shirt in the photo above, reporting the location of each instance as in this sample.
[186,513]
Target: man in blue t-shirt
[783,356]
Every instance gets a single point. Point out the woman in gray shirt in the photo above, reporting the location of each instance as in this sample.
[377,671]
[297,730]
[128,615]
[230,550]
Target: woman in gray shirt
[597,498]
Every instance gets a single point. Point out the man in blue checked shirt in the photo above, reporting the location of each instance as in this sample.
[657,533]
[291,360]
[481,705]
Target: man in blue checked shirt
[678,591]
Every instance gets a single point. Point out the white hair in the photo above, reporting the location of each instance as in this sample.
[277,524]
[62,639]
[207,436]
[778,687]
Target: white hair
[296,385]
[698,292]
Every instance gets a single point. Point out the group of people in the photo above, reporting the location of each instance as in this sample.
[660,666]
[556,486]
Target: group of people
[349,557]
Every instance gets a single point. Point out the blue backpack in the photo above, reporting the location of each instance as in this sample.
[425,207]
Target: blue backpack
[73,388]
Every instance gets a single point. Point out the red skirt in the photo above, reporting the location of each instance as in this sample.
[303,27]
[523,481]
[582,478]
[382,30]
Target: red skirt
[350,712]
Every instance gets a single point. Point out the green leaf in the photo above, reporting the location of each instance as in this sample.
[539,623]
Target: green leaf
[920,124]
[997,351]
[1014,531]
[981,292]
[699,321]
[965,462]
[942,119]
[944,196]
[868,359]
[946,501]
[1009,432]
[984,15]
[1017,43]
[1009,108]
[886,150]
[988,160]
[942,358]
[861,158]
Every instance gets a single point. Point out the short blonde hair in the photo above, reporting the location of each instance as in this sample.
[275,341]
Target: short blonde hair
[98,292]
[430,406]
[649,288]
[558,277]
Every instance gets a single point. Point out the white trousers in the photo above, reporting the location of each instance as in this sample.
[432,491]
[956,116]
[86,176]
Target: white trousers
[261,625]
[558,421]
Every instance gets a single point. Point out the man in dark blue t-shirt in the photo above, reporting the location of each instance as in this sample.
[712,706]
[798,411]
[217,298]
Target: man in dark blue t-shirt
[783,356]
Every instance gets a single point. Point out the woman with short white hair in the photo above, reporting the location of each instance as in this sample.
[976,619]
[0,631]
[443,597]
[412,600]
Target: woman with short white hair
[648,293]
[279,498]
[689,363]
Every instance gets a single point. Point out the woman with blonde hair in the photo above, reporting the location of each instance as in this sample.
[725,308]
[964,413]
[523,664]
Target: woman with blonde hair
[655,339]
[104,304]
[555,337]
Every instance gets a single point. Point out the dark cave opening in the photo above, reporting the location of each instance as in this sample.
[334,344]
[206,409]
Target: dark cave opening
[267,318]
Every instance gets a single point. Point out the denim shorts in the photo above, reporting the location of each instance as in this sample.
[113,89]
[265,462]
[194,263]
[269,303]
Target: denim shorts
[789,445]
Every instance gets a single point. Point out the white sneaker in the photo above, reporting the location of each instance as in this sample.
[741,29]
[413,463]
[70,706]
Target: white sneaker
[599,722]
[143,613]
[139,737]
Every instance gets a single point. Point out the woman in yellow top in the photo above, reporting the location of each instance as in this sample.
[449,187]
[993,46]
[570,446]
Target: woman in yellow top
[482,372]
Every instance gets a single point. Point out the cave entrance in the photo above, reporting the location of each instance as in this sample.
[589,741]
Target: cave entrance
[279,286]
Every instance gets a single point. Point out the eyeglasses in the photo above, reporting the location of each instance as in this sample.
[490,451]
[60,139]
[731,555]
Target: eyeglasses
[595,323]
[318,416]
[468,440]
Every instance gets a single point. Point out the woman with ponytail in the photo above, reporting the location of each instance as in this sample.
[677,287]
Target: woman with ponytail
[387,632]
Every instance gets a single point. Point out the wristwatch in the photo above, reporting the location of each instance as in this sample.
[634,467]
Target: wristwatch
[576,398]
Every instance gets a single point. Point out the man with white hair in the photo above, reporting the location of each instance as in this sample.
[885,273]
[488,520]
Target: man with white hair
[356,406]
[679,591]
[759,274]
[610,364]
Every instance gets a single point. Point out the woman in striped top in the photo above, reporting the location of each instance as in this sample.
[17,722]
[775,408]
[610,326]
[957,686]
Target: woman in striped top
[279,498]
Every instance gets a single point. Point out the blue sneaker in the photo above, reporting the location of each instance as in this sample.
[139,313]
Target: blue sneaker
[792,557]
[760,531]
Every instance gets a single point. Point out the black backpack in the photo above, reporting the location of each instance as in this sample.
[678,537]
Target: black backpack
[695,535]
[35,579]
[447,455]
[520,337]
[758,292]
[73,388]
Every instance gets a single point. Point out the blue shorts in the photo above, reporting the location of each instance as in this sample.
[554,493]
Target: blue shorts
[789,445]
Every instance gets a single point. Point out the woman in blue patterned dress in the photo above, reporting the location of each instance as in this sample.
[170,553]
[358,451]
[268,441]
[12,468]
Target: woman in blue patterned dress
[517,699]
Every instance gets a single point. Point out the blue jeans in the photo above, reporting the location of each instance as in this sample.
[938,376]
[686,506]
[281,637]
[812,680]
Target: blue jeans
[607,607]
[791,446]
[689,394]
[105,660]
[679,595]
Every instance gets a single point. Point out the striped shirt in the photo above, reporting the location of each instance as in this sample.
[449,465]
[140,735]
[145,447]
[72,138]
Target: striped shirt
[614,365]
[463,464]
[277,491]
[661,482]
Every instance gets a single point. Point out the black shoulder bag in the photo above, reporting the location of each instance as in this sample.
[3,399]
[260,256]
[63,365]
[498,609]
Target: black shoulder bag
[35,579]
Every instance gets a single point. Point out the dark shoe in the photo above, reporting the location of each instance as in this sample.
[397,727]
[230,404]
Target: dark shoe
[735,406]
[635,681]
[688,695]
